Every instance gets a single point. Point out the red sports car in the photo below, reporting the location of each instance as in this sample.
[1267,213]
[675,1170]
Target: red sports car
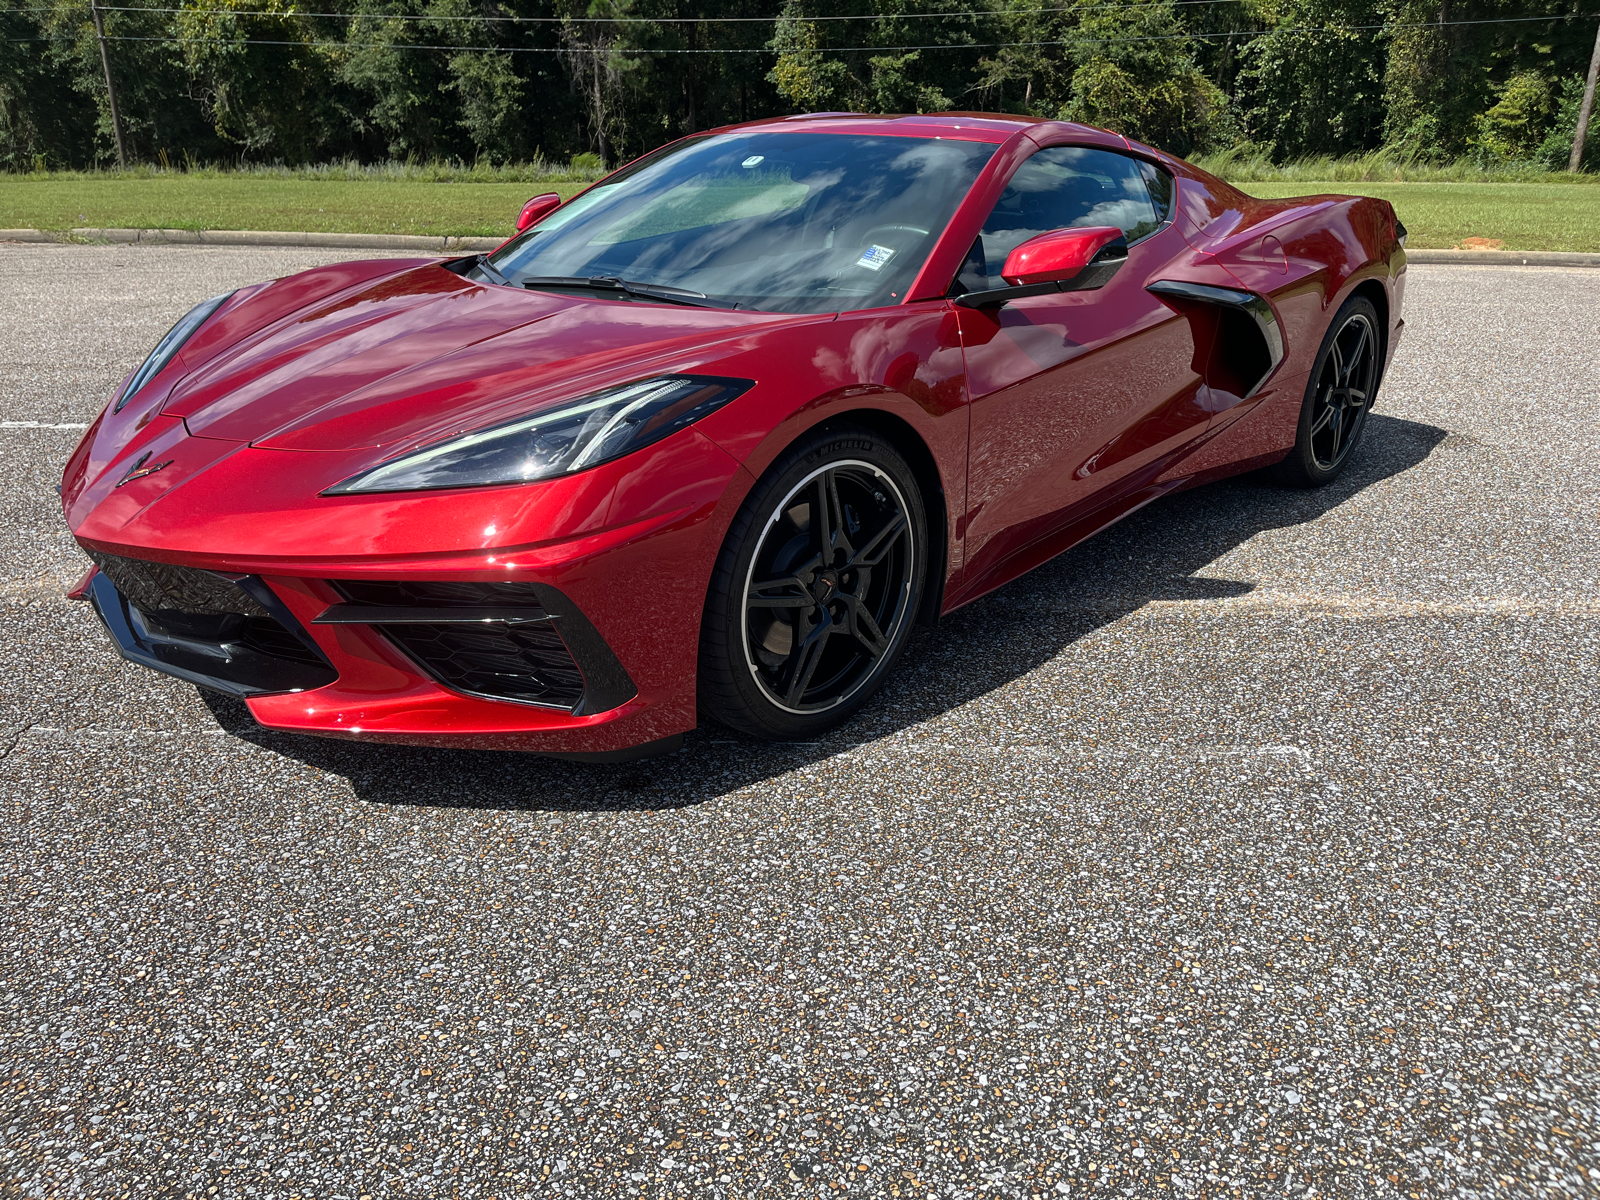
[707,440]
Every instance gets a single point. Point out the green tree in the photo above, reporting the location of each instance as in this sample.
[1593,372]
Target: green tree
[44,120]
[259,77]
[1515,126]
[1555,151]
[873,64]
[1312,82]
[1450,61]
[1032,71]
[158,112]
[1131,69]
[400,88]
[1137,74]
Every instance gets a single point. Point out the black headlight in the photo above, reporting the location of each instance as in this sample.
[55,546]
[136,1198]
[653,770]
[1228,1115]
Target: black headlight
[563,440]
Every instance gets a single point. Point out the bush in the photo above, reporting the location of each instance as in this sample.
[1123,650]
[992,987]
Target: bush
[1515,127]
[1555,151]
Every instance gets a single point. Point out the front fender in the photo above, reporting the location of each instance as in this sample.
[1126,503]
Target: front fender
[905,362]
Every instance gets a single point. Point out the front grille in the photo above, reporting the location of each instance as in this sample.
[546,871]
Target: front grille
[227,632]
[263,634]
[162,587]
[499,656]
[526,663]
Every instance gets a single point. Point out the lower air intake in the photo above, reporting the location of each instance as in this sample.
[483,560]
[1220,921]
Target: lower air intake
[229,633]
[526,663]
[497,641]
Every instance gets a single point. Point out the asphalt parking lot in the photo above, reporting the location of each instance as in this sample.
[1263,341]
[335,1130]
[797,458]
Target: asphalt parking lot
[1247,850]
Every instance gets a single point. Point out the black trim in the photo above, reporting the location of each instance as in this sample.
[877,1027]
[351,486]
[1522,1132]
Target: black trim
[233,667]
[493,660]
[368,614]
[1256,307]
[1235,300]
[1096,275]
[606,681]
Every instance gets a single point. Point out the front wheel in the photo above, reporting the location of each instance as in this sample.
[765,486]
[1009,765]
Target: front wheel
[816,588]
[1343,385]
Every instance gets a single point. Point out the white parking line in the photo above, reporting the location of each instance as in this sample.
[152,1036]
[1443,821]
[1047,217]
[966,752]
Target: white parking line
[42,425]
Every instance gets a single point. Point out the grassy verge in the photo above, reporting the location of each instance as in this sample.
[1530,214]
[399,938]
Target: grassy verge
[259,201]
[1522,216]
[1241,167]
[1533,211]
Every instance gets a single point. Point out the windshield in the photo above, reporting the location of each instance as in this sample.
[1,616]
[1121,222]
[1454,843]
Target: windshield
[777,221]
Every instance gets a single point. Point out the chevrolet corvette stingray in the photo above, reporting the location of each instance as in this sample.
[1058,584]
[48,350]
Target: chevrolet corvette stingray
[708,440]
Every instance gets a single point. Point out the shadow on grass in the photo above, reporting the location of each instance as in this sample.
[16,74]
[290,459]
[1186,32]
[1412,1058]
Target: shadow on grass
[984,646]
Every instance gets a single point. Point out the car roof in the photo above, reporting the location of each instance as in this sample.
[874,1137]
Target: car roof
[963,126]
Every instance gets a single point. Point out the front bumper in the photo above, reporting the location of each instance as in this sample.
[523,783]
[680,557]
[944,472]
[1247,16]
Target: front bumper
[251,648]
[413,662]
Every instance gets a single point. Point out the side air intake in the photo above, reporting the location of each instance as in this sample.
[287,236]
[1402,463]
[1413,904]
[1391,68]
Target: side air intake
[1237,339]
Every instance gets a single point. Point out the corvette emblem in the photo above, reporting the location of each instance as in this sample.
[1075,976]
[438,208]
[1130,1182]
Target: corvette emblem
[139,470]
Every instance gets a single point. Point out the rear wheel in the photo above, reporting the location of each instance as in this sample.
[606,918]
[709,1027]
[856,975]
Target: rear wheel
[1343,385]
[816,588]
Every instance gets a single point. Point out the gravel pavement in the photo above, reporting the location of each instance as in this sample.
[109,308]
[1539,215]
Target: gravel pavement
[1248,850]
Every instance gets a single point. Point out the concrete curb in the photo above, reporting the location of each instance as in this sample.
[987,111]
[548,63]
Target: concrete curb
[257,237]
[1503,258]
[447,245]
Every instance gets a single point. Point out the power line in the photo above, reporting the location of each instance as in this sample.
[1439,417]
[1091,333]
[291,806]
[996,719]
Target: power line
[478,18]
[1159,37]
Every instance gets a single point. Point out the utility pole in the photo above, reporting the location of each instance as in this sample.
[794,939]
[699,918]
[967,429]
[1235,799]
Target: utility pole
[1586,109]
[111,88]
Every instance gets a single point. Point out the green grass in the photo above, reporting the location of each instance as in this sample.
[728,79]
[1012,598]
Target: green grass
[1242,165]
[1522,206]
[182,201]
[1525,216]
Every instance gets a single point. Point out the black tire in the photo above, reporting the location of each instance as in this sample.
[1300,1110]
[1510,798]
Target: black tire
[794,642]
[1344,383]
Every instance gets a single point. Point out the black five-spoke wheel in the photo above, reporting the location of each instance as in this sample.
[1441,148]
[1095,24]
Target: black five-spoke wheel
[828,585]
[816,589]
[1343,388]
[1344,382]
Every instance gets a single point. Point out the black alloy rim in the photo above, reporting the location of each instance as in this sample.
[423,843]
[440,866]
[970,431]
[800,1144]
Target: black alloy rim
[829,587]
[1344,392]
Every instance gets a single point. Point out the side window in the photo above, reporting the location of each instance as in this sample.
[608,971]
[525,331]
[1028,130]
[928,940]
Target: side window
[1160,185]
[1065,186]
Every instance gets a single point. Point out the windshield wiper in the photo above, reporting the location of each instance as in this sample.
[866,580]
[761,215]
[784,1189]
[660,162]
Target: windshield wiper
[609,283]
[482,263]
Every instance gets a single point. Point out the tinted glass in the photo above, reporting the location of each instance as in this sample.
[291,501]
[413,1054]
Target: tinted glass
[1059,188]
[784,222]
[1160,185]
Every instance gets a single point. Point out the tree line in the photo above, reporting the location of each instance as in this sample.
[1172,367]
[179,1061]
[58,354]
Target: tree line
[303,81]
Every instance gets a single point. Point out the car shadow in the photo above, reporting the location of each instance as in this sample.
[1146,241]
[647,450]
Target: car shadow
[1151,556]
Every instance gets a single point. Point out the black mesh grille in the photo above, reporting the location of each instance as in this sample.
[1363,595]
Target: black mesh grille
[266,636]
[207,627]
[153,587]
[529,663]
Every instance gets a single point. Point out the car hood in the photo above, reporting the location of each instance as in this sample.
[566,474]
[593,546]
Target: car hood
[425,352]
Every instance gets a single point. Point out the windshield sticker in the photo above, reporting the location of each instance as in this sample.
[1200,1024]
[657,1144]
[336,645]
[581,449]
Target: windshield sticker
[874,256]
[755,160]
